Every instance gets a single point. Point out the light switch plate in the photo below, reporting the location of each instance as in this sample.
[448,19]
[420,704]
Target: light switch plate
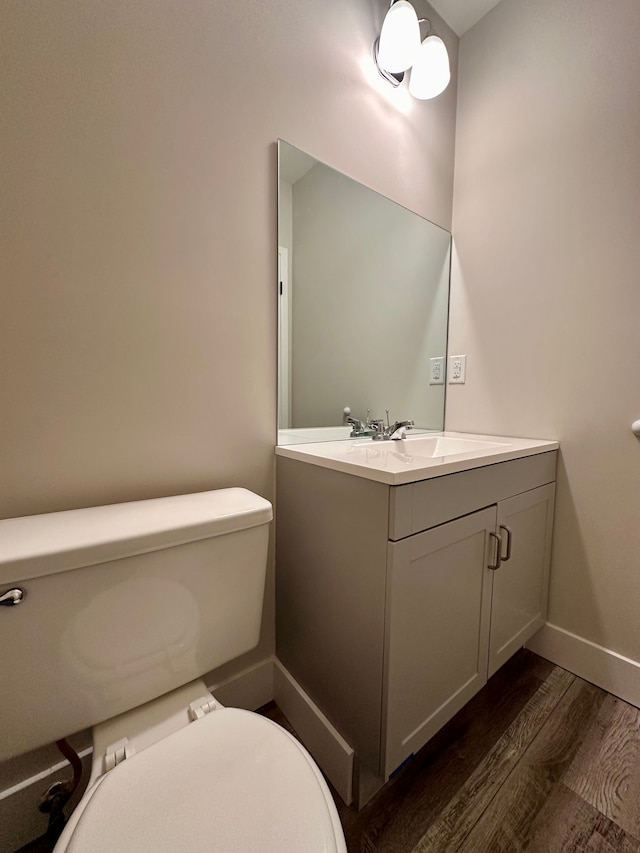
[436,371]
[457,369]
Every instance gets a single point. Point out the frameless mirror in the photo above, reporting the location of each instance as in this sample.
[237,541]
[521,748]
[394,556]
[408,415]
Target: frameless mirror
[363,305]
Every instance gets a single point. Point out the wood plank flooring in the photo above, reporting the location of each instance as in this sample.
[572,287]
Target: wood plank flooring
[539,760]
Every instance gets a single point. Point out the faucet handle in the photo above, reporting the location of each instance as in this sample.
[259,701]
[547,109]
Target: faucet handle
[377,425]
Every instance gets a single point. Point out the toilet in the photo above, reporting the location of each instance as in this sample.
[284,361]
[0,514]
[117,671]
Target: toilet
[112,615]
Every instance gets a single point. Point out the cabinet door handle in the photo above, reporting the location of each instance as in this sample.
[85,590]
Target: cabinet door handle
[507,530]
[498,539]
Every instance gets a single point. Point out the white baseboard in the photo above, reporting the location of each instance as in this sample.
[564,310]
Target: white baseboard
[607,669]
[329,749]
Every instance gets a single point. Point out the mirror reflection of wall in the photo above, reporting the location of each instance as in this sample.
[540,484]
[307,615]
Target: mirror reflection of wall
[363,307]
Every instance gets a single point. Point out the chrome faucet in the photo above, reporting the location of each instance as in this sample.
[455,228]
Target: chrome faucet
[375,427]
[393,432]
[397,430]
[378,427]
[354,423]
[359,428]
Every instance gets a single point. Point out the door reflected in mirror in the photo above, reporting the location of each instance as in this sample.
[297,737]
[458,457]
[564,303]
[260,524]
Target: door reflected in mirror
[363,305]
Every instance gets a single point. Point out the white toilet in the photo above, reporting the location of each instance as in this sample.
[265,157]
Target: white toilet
[118,612]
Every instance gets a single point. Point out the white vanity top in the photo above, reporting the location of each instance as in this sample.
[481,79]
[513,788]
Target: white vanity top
[417,457]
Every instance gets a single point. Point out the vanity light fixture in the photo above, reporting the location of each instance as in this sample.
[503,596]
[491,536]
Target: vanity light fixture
[398,49]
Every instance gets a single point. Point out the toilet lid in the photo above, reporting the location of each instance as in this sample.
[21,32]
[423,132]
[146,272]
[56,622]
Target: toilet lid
[233,782]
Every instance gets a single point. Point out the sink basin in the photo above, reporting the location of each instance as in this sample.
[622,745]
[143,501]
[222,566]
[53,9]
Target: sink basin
[432,447]
[419,456]
[429,446]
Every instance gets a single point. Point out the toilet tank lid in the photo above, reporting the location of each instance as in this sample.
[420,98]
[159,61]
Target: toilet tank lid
[38,545]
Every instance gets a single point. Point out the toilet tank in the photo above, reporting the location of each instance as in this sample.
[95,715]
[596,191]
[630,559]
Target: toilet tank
[123,603]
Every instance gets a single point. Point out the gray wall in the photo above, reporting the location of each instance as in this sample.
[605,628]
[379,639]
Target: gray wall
[139,197]
[545,291]
[370,297]
[138,220]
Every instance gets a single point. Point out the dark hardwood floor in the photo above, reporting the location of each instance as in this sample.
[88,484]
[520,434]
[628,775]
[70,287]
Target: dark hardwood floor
[539,760]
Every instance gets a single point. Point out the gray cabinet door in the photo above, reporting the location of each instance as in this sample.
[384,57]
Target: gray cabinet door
[438,615]
[521,584]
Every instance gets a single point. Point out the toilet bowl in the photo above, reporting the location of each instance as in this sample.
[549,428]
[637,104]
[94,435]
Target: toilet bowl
[232,781]
[121,610]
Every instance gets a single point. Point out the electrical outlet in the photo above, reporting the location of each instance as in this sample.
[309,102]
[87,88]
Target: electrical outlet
[436,374]
[457,369]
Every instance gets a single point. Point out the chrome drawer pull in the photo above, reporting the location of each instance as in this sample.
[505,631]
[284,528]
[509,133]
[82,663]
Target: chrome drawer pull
[507,530]
[498,539]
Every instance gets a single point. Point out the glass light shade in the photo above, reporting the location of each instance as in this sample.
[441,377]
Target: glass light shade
[430,74]
[399,38]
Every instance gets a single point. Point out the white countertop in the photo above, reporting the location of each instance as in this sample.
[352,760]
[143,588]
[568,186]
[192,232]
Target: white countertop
[414,458]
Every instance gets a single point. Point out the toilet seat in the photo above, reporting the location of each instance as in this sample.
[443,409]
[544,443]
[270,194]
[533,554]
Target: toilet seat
[232,782]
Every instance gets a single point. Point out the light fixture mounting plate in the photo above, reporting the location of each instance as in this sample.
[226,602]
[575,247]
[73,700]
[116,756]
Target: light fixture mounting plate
[394,79]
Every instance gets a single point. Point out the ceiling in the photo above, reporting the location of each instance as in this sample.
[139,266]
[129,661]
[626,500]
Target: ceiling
[461,15]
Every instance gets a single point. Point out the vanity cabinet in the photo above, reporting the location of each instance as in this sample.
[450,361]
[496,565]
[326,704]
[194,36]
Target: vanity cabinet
[389,614]
[452,620]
